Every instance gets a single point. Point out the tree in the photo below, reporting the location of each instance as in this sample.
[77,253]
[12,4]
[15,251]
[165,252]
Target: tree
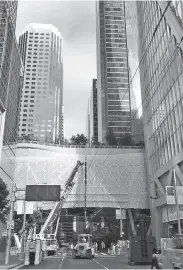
[126,140]
[66,142]
[79,139]
[4,201]
[36,218]
[110,138]
[95,141]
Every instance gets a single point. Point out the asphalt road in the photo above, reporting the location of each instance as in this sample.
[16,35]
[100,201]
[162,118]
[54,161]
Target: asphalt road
[99,262]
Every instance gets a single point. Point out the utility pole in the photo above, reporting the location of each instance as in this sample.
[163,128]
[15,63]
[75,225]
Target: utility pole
[121,224]
[176,201]
[10,225]
[85,189]
[23,227]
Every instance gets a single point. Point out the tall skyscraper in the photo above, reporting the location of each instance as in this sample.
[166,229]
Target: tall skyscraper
[161,72]
[93,113]
[112,70]
[88,122]
[10,71]
[41,47]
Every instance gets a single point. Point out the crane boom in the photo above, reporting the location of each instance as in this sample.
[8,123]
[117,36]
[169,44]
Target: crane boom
[58,205]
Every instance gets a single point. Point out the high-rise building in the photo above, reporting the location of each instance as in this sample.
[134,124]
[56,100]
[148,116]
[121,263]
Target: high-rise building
[161,72]
[41,47]
[10,72]
[137,130]
[112,70]
[93,113]
[88,122]
[62,136]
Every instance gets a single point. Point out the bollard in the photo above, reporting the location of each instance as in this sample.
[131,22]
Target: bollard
[38,252]
[43,250]
[27,259]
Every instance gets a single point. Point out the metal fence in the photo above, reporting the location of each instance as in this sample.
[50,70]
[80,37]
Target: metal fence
[79,146]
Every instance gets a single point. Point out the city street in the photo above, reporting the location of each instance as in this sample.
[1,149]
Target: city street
[99,262]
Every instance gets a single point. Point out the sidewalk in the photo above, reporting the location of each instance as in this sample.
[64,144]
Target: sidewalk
[14,261]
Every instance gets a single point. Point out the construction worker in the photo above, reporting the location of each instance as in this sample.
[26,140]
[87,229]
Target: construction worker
[84,240]
[103,245]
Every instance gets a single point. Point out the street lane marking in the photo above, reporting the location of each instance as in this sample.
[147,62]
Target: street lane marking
[103,254]
[60,265]
[101,264]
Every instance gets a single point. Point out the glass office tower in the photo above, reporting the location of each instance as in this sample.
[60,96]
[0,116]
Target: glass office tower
[112,70]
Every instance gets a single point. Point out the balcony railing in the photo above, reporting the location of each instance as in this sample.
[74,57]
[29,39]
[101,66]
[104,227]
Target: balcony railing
[78,146]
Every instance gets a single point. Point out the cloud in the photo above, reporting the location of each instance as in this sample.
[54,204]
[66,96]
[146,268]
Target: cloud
[76,22]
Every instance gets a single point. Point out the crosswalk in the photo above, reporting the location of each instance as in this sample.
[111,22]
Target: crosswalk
[101,254]
[98,254]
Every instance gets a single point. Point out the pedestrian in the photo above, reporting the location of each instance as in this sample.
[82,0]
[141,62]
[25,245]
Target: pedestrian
[113,249]
[103,245]
[96,246]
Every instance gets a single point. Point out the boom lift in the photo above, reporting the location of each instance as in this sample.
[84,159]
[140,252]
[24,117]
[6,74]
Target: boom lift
[58,206]
[51,241]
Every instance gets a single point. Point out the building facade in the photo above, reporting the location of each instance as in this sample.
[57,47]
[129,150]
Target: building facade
[112,70]
[88,122]
[11,72]
[93,113]
[161,71]
[41,47]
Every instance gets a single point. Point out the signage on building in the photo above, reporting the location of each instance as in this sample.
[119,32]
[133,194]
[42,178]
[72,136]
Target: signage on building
[42,193]
[170,194]
[169,213]
[120,213]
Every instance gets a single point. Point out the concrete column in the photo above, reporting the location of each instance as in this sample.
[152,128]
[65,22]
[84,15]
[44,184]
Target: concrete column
[158,225]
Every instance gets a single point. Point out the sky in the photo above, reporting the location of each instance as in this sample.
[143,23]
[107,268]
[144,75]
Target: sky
[76,22]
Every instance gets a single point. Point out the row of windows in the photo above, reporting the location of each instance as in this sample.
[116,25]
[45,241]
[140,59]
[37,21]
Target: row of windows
[116,36]
[30,47]
[31,42]
[117,18]
[114,26]
[121,40]
[113,9]
[37,34]
[114,31]
[115,50]
[117,85]
[117,80]
[116,69]
[117,59]
[113,4]
[116,75]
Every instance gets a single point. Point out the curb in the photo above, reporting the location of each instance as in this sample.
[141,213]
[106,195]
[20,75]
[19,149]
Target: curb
[16,266]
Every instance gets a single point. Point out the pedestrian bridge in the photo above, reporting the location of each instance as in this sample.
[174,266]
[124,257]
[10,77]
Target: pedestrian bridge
[116,177]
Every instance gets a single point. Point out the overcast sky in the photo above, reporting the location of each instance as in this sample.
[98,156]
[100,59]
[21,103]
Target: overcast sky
[76,22]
